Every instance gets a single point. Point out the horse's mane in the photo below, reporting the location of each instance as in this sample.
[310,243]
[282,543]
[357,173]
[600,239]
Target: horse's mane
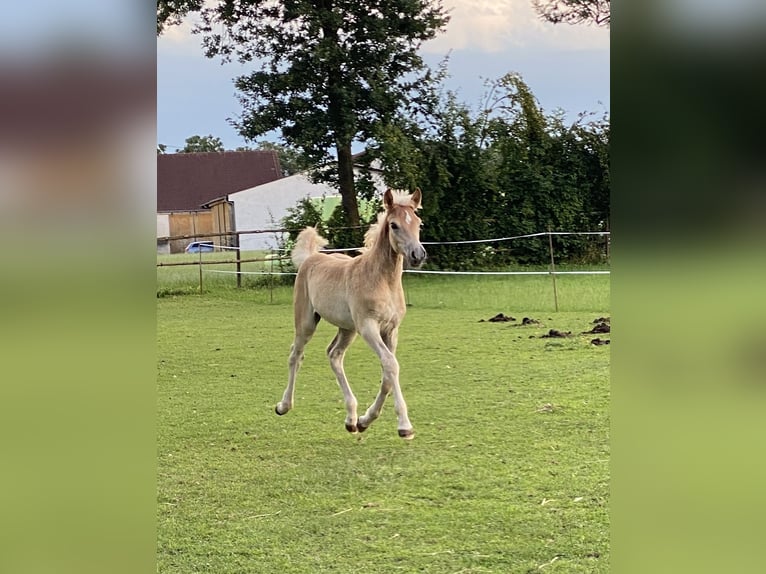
[374,231]
[401,197]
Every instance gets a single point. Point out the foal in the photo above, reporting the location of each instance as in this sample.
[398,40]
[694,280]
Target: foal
[358,295]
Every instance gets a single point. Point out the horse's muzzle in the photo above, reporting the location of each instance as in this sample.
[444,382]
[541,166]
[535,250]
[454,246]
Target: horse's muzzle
[416,256]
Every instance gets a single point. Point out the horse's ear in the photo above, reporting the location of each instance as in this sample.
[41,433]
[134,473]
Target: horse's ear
[416,198]
[388,199]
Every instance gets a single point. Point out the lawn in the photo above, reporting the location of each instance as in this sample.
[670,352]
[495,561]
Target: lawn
[508,472]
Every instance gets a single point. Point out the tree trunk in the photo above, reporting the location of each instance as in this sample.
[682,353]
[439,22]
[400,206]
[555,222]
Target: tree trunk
[346,184]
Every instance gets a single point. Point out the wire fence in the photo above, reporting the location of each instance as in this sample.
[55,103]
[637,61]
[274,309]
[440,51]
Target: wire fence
[277,256]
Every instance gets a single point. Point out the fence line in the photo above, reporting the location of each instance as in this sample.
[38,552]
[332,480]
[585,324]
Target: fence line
[288,230]
[419,271]
[507,272]
[498,239]
[244,232]
[552,272]
[251,272]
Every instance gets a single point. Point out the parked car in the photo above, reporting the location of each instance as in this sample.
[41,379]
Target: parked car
[200,246]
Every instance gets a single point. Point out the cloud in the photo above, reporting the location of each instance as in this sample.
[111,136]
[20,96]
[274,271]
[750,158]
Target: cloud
[488,26]
[495,25]
[179,36]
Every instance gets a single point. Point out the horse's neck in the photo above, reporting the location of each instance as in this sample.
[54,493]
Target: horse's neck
[384,259]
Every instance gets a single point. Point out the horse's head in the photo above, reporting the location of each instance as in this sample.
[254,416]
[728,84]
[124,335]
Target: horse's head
[404,225]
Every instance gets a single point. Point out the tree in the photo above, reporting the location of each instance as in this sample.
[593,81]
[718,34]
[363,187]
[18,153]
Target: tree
[199,144]
[574,11]
[161,148]
[170,12]
[508,170]
[329,72]
[292,161]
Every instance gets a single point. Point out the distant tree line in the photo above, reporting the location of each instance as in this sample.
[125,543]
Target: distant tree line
[509,170]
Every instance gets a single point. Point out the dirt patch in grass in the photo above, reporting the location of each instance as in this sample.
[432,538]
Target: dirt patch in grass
[556,334]
[599,328]
[503,318]
[499,318]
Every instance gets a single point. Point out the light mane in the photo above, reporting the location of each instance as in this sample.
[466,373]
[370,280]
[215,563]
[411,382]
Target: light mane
[374,231]
[400,198]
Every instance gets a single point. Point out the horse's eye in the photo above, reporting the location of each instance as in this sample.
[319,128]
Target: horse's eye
[394,226]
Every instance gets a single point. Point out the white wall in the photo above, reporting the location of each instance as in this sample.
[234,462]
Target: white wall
[163,230]
[263,206]
[163,225]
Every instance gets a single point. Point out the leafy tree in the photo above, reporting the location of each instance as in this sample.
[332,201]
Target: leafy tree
[574,11]
[508,170]
[171,12]
[291,160]
[329,72]
[161,148]
[199,144]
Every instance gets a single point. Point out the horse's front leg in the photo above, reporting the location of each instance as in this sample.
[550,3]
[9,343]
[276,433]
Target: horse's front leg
[384,345]
[336,352]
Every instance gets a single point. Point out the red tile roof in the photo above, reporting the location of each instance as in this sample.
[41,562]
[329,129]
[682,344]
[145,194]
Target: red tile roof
[186,181]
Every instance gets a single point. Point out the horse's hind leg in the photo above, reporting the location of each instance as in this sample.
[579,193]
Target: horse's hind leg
[335,352]
[306,322]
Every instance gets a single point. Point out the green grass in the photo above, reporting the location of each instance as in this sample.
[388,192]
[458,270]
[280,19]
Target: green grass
[508,471]
[436,291]
[184,279]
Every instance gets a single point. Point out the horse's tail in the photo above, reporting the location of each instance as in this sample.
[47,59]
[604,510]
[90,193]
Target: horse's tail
[309,242]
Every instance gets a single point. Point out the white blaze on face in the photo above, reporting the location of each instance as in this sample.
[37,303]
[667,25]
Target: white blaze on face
[407,218]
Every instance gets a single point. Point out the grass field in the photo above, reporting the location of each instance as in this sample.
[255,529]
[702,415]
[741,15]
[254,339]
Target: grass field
[508,472]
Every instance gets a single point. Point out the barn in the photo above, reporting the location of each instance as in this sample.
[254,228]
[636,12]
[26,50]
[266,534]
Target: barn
[193,190]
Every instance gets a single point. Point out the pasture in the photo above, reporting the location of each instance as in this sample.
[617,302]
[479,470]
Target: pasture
[508,471]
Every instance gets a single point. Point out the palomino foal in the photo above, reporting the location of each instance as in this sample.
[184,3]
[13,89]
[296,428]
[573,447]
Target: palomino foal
[358,295]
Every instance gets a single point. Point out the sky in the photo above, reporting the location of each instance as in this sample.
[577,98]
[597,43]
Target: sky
[566,67]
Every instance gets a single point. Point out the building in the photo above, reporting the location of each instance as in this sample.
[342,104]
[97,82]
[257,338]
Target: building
[262,207]
[193,190]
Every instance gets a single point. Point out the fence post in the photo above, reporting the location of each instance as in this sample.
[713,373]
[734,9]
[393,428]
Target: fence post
[239,261]
[271,278]
[199,251]
[553,271]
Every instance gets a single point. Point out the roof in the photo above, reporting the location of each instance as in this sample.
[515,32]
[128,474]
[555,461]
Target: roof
[187,181]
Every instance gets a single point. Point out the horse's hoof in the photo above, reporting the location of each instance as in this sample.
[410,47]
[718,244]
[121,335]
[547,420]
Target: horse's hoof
[407,434]
[351,428]
[276,410]
[360,427]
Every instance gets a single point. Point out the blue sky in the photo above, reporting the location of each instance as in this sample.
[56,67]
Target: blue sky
[566,67]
